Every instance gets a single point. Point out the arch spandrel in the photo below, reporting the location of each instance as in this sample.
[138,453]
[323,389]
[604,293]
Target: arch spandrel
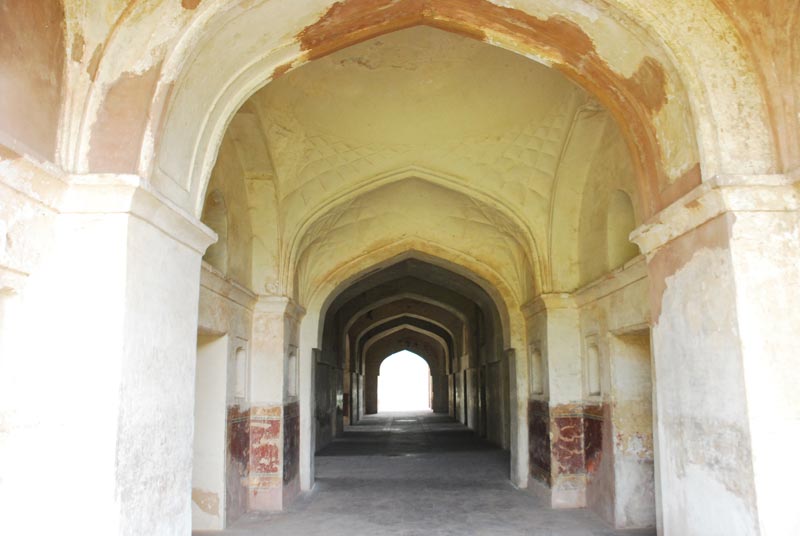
[695,38]
[508,27]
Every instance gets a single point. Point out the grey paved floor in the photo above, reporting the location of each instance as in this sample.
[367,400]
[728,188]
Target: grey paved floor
[418,474]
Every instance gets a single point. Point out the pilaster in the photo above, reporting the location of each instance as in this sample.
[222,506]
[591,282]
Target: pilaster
[273,469]
[99,368]
[724,271]
[558,421]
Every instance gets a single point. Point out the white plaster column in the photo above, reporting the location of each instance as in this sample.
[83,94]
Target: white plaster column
[97,376]
[724,265]
[555,321]
[517,385]
[310,339]
[268,351]
[563,349]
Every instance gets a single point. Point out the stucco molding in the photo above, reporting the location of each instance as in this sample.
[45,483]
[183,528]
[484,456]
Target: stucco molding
[631,272]
[548,302]
[216,282]
[279,305]
[109,194]
[719,195]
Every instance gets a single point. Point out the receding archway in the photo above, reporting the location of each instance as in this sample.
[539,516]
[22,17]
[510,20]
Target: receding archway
[458,356]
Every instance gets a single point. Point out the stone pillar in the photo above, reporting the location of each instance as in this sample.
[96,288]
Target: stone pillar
[518,436]
[439,397]
[371,392]
[724,267]
[471,398]
[97,377]
[558,457]
[274,427]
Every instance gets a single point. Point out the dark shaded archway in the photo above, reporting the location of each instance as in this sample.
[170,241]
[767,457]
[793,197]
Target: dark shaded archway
[444,317]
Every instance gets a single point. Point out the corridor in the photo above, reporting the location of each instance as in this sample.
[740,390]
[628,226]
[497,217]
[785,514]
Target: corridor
[417,474]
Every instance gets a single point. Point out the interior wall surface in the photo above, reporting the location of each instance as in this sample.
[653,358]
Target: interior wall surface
[589,445]
[226,311]
[210,422]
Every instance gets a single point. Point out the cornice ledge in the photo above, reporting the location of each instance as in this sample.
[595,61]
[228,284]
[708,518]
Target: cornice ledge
[631,272]
[548,302]
[131,194]
[215,281]
[279,305]
[717,196]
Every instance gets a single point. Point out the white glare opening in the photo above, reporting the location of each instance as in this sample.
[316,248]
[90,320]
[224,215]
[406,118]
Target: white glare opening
[404,383]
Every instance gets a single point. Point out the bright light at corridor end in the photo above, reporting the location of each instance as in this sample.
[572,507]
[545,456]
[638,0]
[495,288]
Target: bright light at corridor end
[404,383]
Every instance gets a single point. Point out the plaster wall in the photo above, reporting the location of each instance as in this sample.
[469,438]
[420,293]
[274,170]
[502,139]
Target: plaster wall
[29,198]
[154,471]
[326,407]
[86,277]
[632,431]
[766,260]
[706,456]
[33,45]
[229,185]
[590,447]
[607,45]
[615,321]
[274,430]
[210,437]
[226,310]
[471,399]
[495,396]
[611,171]
[416,208]
[146,394]
[564,368]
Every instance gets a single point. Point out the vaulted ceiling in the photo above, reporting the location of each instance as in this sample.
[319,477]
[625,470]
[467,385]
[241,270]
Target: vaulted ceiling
[427,138]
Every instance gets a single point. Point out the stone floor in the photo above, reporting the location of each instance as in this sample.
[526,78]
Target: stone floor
[418,474]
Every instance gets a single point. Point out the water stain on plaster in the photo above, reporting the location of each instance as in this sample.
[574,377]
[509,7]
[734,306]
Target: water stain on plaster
[673,191]
[207,501]
[94,62]
[116,138]
[8,154]
[669,260]
[572,50]
[768,31]
[281,70]
[351,21]
[32,45]
[78,47]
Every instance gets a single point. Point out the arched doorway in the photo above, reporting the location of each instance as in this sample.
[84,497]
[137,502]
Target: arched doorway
[404,383]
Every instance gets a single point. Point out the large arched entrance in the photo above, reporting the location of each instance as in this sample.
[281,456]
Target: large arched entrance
[515,146]
[411,214]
